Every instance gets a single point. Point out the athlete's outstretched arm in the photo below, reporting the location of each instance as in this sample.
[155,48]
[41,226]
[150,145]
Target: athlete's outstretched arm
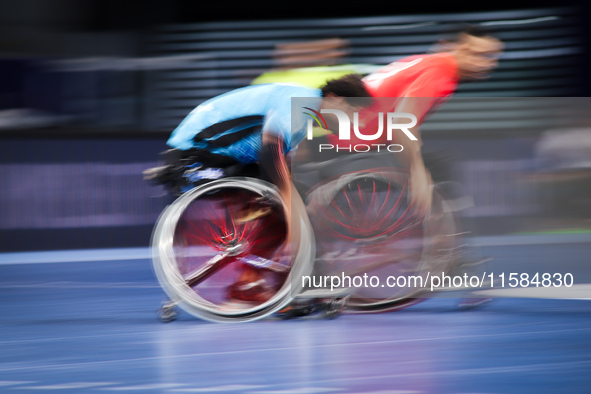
[421,192]
[274,165]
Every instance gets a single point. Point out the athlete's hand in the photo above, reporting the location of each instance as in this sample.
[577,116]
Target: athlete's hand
[421,190]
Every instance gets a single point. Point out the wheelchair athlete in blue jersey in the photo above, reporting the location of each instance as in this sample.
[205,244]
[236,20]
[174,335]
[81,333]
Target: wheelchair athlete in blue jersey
[249,132]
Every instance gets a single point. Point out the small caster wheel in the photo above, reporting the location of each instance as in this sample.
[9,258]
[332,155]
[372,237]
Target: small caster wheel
[333,308]
[287,313]
[168,312]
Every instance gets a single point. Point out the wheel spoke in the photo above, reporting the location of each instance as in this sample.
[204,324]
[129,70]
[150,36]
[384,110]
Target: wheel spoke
[212,266]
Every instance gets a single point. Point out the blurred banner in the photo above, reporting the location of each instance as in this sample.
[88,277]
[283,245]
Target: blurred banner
[71,193]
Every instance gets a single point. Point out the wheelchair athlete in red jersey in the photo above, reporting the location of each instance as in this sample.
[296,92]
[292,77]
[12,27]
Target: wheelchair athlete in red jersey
[418,84]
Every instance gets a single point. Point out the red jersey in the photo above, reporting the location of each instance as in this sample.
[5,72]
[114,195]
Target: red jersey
[416,76]
[431,77]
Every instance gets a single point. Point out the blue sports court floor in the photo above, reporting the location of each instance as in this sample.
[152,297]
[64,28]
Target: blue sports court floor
[86,322]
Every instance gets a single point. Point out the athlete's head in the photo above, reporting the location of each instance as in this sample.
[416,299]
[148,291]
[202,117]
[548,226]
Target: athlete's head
[475,50]
[347,94]
[348,87]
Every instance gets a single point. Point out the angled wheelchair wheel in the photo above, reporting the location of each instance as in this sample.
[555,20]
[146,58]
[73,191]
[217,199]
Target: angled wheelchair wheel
[367,229]
[208,237]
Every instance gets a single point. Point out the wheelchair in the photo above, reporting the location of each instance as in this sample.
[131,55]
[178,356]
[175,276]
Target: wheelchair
[352,221]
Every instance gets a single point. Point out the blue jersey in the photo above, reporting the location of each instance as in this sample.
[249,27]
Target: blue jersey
[232,124]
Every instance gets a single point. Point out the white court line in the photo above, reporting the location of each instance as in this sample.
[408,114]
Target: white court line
[80,285]
[75,256]
[85,255]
